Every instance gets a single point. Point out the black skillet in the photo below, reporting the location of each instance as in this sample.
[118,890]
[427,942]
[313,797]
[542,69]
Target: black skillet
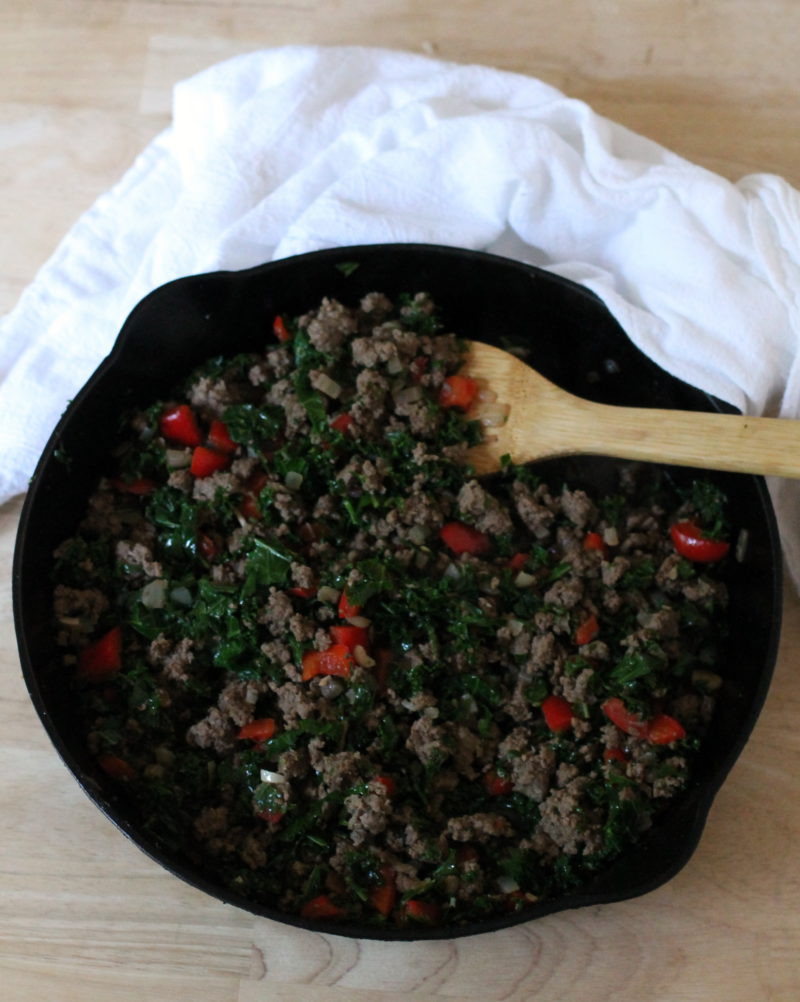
[573,340]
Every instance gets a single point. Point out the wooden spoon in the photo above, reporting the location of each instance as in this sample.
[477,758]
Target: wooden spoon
[545,421]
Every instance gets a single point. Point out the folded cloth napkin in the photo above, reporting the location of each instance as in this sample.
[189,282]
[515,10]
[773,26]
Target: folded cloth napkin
[299,148]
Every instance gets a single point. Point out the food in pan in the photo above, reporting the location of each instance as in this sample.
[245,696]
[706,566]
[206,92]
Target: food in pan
[333,668]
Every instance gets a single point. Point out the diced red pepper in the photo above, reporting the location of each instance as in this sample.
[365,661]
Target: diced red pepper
[336,660]
[140,485]
[321,907]
[587,631]
[206,461]
[419,367]
[458,391]
[258,730]
[207,546]
[614,755]
[461,538]
[271,817]
[219,437]
[303,592]
[346,609]
[691,543]
[422,911]
[557,713]
[594,541]
[620,716]
[102,658]
[255,484]
[342,423]
[389,783]
[497,786]
[350,636]
[179,425]
[280,330]
[518,561]
[663,730]
[383,897]
[117,768]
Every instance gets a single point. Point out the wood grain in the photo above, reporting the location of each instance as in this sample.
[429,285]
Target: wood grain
[84,916]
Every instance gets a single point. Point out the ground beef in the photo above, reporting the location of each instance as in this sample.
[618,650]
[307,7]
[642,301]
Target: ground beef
[350,710]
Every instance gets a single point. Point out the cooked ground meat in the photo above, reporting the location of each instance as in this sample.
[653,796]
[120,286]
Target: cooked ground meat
[350,678]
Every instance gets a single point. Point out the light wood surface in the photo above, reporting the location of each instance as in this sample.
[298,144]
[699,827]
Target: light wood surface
[544,421]
[84,84]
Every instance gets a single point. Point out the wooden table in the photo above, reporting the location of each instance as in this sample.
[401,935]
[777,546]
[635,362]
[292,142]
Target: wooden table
[84,916]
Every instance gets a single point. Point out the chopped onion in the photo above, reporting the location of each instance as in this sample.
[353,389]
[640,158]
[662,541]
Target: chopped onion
[181,596]
[493,416]
[507,884]
[178,459]
[452,571]
[395,366]
[360,621]
[708,680]
[741,545]
[417,535]
[328,594]
[293,480]
[328,386]
[487,396]
[331,687]
[515,627]
[362,657]
[610,536]
[524,580]
[408,395]
[272,777]
[154,594]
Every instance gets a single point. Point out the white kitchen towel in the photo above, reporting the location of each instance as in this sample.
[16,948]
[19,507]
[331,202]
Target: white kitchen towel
[298,148]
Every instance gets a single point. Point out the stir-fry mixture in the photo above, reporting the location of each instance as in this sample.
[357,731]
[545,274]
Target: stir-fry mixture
[324,662]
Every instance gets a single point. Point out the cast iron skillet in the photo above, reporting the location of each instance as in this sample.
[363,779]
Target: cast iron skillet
[573,340]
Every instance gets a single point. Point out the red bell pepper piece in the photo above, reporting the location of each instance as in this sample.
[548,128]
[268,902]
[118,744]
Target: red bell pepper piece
[614,755]
[594,541]
[587,631]
[271,817]
[303,592]
[207,546]
[321,907]
[102,658]
[497,786]
[557,713]
[518,561]
[689,540]
[663,730]
[389,783]
[458,391]
[383,897]
[140,485]
[342,423]
[461,538]
[179,425]
[620,716]
[347,610]
[280,330]
[206,461]
[350,636]
[219,437]
[336,660]
[422,911]
[258,730]
[255,484]
[117,768]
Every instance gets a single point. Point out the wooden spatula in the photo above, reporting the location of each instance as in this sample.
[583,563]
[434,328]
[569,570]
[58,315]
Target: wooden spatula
[545,421]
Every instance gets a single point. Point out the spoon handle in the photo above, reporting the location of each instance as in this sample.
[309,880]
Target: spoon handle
[740,444]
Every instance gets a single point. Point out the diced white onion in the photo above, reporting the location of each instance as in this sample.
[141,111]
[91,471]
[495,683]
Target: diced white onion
[610,536]
[487,396]
[272,777]
[524,580]
[417,534]
[328,386]
[741,545]
[154,594]
[181,596]
[709,680]
[360,621]
[507,884]
[293,480]
[493,416]
[394,366]
[362,657]
[408,395]
[69,621]
[328,594]
[515,627]
[178,459]
[452,571]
